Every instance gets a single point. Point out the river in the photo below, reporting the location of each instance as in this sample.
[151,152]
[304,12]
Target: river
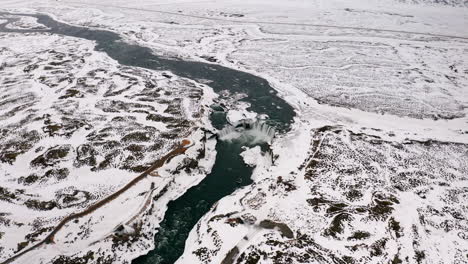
[229,172]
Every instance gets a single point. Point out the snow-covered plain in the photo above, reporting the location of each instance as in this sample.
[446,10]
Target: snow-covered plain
[375,167]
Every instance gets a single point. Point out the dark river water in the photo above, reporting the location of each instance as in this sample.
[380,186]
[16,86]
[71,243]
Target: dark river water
[229,171]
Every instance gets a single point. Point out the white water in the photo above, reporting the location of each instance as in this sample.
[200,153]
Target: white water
[248,131]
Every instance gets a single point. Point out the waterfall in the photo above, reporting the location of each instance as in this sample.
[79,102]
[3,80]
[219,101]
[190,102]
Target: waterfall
[248,131]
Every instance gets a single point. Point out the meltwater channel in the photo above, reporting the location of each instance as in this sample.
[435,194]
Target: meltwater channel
[229,171]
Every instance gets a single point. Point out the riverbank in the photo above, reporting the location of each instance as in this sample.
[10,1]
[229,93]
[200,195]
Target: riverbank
[380,137]
[248,88]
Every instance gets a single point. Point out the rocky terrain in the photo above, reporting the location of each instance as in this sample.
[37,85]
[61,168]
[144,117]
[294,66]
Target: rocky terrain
[374,169]
[356,199]
[76,126]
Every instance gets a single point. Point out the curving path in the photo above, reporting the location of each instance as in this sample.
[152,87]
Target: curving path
[180,149]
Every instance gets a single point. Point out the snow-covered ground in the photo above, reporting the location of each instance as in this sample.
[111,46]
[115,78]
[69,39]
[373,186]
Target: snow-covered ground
[77,126]
[375,168]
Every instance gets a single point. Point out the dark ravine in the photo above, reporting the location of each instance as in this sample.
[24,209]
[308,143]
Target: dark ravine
[229,171]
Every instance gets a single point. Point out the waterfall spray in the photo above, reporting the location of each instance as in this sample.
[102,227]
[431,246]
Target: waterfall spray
[248,131]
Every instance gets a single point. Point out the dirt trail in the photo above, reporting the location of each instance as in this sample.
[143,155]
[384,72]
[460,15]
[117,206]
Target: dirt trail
[180,149]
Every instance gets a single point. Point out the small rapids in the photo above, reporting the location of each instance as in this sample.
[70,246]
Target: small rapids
[229,172]
[248,131]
